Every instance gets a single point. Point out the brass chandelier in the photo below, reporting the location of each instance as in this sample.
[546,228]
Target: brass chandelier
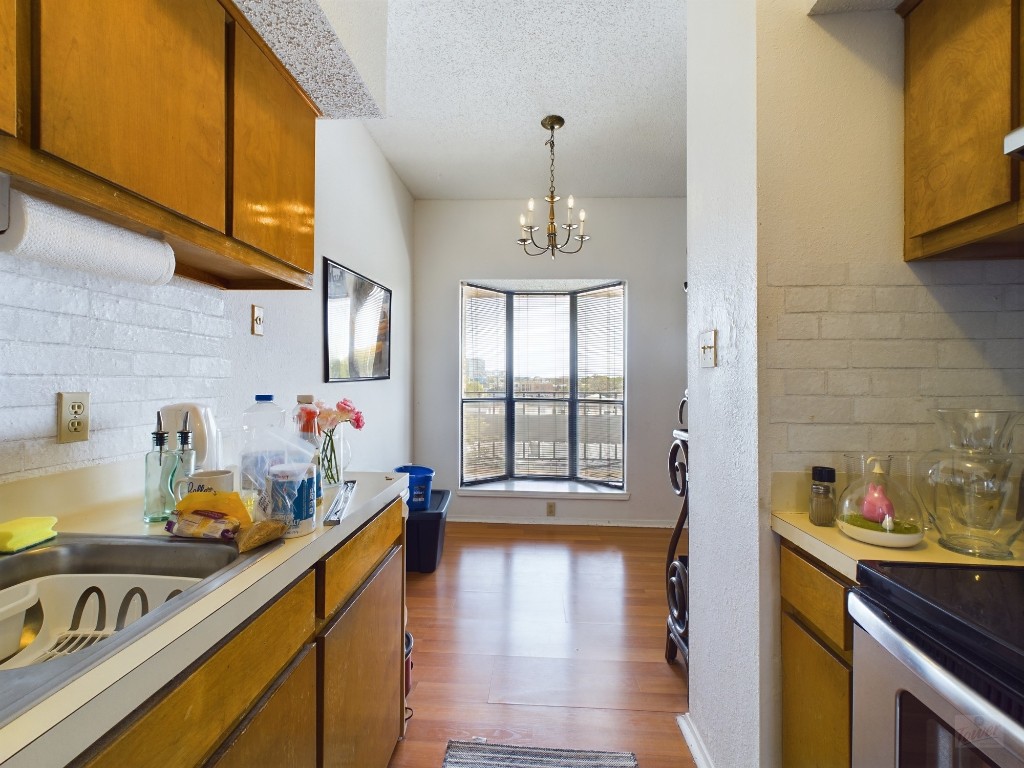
[551,123]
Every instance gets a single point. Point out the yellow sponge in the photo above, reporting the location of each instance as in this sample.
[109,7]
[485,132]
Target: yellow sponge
[24,532]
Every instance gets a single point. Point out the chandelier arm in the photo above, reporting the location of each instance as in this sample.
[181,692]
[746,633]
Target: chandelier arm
[578,248]
[530,253]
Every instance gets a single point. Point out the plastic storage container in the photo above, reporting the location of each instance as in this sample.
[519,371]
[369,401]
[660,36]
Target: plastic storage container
[259,450]
[420,479]
[424,534]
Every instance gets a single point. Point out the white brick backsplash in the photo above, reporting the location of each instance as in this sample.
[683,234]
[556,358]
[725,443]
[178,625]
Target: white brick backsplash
[1008,325]
[837,325]
[898,298]
[959,273]
[1004,271]
[888,272]
[849,382]
[139,314]
[208,325]
[31,325]
[807,299]
[856,298]
[1013,297]
[23,423]
[963,354]
[809,409]
[819,438]
[1005,353]
[893,354]
[61,359]
[968,298]
[981,382]
[51,297]
[956,325]
[808,354]
[888,410]
[209,367]
[894,438]
[799,326]
[896,382]
[804,382]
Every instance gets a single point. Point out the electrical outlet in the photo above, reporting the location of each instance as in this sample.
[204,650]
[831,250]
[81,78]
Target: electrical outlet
[72,417]
[551,509]
[257,320]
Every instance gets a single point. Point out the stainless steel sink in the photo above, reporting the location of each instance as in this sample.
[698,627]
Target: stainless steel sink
[91,563]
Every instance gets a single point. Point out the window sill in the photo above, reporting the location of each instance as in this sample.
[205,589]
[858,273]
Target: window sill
[563,489]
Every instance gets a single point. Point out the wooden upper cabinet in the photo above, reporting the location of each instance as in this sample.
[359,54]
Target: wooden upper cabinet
[961,99]
[134,91]
[273,176]
[8,68]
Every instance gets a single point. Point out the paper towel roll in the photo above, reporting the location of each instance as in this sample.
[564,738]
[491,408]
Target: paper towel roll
[48,233]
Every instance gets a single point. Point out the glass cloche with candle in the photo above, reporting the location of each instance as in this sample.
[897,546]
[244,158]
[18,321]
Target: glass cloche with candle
[877,506]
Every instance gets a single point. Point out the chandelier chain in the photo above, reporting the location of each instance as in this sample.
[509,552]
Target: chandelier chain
[551,143]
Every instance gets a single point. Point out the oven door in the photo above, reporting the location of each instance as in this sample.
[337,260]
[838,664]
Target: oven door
[910,712]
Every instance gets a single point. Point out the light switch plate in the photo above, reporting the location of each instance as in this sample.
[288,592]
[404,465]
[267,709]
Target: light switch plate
[709,349]
[257,320]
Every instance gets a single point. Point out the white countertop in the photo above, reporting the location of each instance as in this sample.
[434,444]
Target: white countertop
[56,730]
[841,553]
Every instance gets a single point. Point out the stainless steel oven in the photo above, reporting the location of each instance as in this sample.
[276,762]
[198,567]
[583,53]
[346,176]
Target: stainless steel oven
[934,683]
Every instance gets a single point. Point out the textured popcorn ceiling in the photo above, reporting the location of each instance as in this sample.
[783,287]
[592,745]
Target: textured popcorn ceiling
[300,34]
[468,82]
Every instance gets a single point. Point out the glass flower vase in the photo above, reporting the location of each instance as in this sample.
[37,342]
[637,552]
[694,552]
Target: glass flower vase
[972,489]
[332,456]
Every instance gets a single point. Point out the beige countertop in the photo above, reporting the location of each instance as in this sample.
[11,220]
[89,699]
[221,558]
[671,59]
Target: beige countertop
[841,553]
[56,730]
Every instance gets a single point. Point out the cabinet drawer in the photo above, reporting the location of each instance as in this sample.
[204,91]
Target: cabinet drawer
[818,597]
[184,722]
[341,573]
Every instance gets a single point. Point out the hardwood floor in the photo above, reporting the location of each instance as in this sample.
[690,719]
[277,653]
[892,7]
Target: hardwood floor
[549,636]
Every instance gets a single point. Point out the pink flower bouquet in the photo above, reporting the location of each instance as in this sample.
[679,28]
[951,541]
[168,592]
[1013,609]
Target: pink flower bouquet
[328,419]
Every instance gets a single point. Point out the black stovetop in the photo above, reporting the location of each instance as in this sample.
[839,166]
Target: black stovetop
[968,618]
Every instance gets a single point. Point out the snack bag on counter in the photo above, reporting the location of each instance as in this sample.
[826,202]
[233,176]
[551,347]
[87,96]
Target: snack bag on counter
[223,516]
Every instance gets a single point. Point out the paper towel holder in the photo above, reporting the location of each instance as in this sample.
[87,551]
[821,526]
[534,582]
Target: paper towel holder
[5,202]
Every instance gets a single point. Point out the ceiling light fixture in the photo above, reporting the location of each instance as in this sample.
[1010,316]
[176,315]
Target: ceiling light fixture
[551,123]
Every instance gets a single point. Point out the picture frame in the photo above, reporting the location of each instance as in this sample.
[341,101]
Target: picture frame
[357,326]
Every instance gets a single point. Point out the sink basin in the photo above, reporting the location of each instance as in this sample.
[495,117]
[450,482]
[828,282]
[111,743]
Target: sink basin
[69,603]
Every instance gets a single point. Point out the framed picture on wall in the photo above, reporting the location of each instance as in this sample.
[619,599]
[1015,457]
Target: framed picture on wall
[357,326]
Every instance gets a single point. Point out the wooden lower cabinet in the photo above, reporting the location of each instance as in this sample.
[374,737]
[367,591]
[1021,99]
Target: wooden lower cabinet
[360,658]
[815,701]
[817,664]
[281,728]
[8,67]
[269,696]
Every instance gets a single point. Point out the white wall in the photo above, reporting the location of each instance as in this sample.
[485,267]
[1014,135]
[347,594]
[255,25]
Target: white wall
[135,348]
[853,345]
[640,241]
[728,724]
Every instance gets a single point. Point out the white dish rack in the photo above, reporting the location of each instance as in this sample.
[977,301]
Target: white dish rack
[78,610]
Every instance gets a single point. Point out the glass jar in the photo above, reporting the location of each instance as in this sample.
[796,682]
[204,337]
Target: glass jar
[822,510]
[972,488]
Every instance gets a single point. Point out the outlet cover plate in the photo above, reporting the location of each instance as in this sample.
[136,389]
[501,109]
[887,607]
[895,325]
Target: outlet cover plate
[73,415]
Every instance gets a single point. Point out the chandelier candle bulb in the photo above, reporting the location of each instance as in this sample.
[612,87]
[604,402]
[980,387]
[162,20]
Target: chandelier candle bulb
[529,214]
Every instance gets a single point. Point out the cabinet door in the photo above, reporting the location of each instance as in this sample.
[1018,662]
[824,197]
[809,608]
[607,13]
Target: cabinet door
[134,92]
[8,68]
[281,729]
[274,138]
[815,702]
[361,661]
[959,99]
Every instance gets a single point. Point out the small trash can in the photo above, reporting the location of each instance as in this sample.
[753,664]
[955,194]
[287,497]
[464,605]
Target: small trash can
[408,662]
[420,479]
[424,534]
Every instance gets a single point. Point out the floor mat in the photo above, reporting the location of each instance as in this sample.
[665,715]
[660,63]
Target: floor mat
[472,754]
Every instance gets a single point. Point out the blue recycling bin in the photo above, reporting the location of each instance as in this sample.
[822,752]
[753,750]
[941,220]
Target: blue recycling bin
[424,534]
[420,479]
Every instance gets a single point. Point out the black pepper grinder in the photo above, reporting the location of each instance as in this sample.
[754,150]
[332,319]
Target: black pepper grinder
[823,495]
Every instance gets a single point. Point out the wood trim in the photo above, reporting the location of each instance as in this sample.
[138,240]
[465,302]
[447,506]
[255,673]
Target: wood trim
[9,67]
[817,597]
[184,722]
[340,573]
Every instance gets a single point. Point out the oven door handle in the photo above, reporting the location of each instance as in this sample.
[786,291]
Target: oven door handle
[964,698]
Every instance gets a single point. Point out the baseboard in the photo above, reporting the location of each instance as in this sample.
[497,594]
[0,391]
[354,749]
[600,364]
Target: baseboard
[512,520]
[698,751]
